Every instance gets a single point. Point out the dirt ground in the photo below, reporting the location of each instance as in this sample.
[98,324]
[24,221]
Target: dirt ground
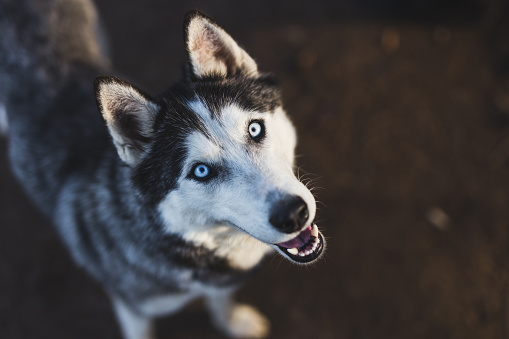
[403,122]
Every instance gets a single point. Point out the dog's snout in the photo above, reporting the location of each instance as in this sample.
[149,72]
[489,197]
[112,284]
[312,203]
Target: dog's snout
[289,215]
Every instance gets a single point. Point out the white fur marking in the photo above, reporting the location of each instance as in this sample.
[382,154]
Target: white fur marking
[241,250]
[247,322]
[134,326]
[166,305]
[236,320]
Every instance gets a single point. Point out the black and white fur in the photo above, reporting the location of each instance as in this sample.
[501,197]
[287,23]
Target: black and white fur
[129,199]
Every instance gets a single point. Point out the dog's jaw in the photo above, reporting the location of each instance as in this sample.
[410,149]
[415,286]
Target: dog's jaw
[305,248]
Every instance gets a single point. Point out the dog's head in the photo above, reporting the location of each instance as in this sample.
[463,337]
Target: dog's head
[217,148]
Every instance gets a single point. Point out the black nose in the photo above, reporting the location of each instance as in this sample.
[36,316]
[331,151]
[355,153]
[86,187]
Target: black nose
[289,214]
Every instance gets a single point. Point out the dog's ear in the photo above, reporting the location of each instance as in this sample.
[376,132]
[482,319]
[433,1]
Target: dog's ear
[129,114]
[212,52]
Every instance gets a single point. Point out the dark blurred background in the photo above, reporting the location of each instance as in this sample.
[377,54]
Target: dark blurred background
[403,113]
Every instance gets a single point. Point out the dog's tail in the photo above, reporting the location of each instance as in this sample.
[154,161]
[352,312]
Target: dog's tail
[40,41]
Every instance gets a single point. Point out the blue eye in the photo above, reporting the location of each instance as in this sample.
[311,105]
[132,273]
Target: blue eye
[201,171]
[256,129]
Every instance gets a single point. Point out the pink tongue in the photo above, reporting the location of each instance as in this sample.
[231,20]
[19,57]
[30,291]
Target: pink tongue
[298,241]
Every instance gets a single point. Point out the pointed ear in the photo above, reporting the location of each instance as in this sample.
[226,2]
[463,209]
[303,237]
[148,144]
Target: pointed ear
[212,51]
[129,114]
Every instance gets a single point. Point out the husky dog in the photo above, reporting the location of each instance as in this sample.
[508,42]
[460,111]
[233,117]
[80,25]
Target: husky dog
[180,195]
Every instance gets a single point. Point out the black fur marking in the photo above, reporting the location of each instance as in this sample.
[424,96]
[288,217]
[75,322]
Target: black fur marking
[159,171]
[251,94]
[208,267]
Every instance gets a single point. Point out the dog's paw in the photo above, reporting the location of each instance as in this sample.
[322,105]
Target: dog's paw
[247,322]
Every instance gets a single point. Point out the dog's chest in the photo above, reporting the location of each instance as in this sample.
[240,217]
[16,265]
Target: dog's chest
[240,250]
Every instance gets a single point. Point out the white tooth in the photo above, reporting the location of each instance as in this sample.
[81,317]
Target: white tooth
[308,252]
[314,231]
[293,251]
[301,254]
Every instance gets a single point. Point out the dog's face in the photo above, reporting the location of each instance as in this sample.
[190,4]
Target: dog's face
[217,148]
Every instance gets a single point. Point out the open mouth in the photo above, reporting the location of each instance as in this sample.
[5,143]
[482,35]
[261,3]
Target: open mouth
[305,247]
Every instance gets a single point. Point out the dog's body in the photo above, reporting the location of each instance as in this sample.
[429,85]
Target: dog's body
[197,185]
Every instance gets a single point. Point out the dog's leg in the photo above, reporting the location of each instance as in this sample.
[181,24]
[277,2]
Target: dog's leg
[236,320]
[4,123]
[133,325]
